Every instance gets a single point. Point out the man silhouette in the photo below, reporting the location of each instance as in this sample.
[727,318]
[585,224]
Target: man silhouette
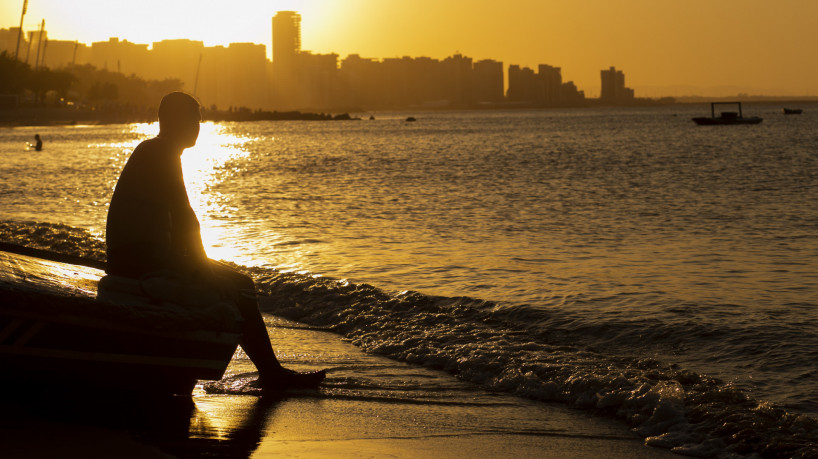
[151,227]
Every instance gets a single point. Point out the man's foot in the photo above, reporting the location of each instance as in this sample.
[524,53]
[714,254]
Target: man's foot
[288,379]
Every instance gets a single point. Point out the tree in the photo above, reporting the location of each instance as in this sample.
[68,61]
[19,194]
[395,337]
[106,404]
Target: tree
[103,92]
[97,85]
[45,80]
[14,75]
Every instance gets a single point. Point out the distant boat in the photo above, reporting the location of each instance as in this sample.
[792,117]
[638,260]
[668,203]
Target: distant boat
[726,118]
[793,111]
[410,119]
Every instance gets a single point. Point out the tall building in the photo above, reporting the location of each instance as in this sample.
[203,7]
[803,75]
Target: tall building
[286,39]
[542,89]
[488,81]
[361,79]
[550,86]
[318,78]
[64,53]
[9,38]
[458,80]
[233,76]
[521,84]
[177,58]
[613,87]
[286,59]
[120,56]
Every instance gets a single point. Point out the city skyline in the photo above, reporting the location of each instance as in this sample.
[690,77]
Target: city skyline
[297,79]
[683,49]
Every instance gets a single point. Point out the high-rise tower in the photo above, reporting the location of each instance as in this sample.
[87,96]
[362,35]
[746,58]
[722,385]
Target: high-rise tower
[286,40]
[613,87]
[288,87]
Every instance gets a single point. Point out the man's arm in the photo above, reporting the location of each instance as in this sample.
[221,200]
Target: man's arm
[185,229]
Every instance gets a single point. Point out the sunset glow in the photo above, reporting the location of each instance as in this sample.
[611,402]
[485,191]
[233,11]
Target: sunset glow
[203,167]
[751,46]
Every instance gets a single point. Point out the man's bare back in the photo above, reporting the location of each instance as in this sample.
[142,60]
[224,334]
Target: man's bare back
[151,227]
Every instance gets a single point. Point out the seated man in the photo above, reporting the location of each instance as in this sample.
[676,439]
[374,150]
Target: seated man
[152,227]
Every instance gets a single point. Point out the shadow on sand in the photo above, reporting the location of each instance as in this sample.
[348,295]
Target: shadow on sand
[207,426]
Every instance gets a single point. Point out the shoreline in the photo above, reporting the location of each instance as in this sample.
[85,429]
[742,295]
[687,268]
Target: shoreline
[61,116]
[369,405]
[53,116]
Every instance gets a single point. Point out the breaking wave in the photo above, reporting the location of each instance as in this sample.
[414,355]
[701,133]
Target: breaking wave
[533,353]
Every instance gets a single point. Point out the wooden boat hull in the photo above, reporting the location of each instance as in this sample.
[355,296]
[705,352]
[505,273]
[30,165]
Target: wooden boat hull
[55,335]
[705,121]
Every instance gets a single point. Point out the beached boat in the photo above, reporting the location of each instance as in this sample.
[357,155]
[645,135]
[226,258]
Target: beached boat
[726,118]
[55,334]
[793,111]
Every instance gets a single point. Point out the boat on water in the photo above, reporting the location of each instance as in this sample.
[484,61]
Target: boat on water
[66,326]
[793,111]
[726,117]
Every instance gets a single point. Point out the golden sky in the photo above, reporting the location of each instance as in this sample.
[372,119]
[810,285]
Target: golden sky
[665,47]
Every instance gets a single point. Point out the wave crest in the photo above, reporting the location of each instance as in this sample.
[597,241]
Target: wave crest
[480,341]
[532,353]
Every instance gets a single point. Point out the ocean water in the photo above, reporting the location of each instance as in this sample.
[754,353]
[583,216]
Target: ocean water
[621,261]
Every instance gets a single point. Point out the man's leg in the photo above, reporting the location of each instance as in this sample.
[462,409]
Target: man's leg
[255,341]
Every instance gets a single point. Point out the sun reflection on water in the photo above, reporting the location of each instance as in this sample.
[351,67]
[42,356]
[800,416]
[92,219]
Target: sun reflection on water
[146,129]
[203,167]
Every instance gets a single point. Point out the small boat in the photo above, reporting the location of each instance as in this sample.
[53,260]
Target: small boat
[726,118]
[65,326]
[411,119]
[793,111]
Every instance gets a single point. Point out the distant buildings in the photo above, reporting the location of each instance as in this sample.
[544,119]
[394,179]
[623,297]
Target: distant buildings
[488,81]
[286,40]
[241,75]
[31,49]
[614,91]
[456,81]
[544,88]
[286,52]
[236,75]
[302,79]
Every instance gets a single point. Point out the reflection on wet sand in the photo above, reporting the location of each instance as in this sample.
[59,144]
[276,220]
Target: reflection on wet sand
[180,426]
[228,424]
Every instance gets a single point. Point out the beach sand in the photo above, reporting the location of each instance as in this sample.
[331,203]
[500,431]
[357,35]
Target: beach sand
[370,406]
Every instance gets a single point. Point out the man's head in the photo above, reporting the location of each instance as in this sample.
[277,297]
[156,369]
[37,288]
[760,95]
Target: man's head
[179,118]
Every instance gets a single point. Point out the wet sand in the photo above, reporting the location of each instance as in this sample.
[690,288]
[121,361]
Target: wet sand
[370,406]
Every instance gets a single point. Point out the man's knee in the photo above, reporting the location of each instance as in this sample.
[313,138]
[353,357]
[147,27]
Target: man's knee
[239,280]
[243,282]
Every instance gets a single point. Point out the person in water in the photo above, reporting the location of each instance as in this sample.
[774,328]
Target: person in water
[38,144]
[152,227]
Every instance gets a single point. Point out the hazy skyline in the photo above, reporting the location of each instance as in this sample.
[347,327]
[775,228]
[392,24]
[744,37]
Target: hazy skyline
[672,48]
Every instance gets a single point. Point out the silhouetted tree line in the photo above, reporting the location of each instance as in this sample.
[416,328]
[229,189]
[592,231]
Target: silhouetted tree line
[113,88]
[17,77]
[246,114]
[83,85]
[102,96]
